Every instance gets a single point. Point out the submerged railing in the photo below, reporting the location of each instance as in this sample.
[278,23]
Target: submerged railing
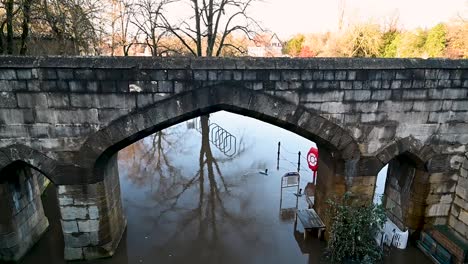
[219,137]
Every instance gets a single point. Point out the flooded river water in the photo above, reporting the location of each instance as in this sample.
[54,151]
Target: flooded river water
[191,201]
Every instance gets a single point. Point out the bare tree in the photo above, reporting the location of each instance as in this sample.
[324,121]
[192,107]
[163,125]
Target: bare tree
[16,18]
[73,21]
[122,35]
[213,21]
[147,17]
[26,6]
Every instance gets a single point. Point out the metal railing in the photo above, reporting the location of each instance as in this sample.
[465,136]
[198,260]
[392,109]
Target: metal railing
[219,137]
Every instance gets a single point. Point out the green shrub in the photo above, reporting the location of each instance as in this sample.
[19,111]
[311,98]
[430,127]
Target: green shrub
[353,231]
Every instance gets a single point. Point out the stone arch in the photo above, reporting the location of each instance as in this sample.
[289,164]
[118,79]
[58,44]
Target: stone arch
[103,144]
[408,146]
[22,172]
[29,156]
[407,182]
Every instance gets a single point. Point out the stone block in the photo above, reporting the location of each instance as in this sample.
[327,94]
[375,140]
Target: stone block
[71,253]
[328,75]
[375,85]
[456,162]
[250,75]
[69,227]
[403,75]
[395,84]
[306,75]
[441,209]
[448,93]
[363,95]
[88,225]
[458,226]
[346,85]
[7,74]
[443,177]
[328,96]
[461,202]
[32,100]
[160,75]
[351,75]
[9,86]
[76,240]
[77,86]
[67,116]
[24,74]
[65,201]
[290,75]
[430,73]
[414,94]
[340,75]
[59,100]
[464,173]
[391,106]
[212,76]
[459,105]
[84,74]
[93,212]
[165,86]
[427,106]
[274,76]
[228,75]
[73,212]
[7,100]
[16,116]
[65,74]
[178,75]
[463,217]
[237,75]
[326,85]
[334,107]
[381,95]
[446,187]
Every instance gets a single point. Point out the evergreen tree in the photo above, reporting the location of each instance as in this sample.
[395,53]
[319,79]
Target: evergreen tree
[436,41]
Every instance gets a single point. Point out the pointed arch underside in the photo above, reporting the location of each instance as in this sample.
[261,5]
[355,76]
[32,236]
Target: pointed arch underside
[272,109]
[29,156]
[410,147]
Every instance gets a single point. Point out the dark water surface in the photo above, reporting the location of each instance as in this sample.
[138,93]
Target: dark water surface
[188,202]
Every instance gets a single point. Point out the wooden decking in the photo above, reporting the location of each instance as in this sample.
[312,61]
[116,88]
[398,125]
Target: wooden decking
[311,221]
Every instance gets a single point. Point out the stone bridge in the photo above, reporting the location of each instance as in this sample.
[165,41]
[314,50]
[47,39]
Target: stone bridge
[68,117]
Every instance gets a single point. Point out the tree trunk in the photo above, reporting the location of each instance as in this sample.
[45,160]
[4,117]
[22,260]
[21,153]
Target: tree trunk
[25,26]
[2,37]
[9,17]
[198,27]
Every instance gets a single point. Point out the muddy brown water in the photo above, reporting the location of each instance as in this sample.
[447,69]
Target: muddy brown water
[187,202]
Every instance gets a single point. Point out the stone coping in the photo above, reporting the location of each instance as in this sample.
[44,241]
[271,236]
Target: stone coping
[107,62]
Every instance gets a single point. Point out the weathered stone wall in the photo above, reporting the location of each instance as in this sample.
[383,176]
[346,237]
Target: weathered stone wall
[22,219]
[92,216]
[53,104]
[458,219]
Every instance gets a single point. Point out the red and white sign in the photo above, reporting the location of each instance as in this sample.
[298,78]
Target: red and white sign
[312,159]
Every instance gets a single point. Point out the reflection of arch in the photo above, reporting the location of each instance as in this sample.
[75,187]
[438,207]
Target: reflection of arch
[29,156]
[139,124]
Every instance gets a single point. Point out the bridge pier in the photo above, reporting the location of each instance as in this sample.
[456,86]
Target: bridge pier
[92,217]
[22,218]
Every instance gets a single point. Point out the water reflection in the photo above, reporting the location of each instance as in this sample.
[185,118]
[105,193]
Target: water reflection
[195,205]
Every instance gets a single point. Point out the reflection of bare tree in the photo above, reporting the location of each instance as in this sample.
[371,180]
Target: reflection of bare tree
[147,160]
[211,216]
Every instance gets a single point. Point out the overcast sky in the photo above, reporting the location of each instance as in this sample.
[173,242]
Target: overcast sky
[288,17]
